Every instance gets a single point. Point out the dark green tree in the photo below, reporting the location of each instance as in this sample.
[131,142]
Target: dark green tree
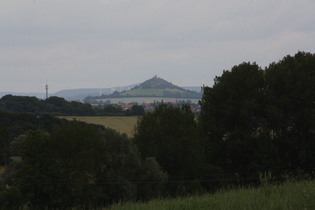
[34,175]
[119,168]
[111,109]
[59,170]
[137,110]
[10,103]
[291,109]
[78,151]
[170,135]
[151,179]
[53,106]
[78,165]
[232,120]
[4,145]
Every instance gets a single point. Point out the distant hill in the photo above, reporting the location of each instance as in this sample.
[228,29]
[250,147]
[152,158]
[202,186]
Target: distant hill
[73,94]
[157,83]
[154,87]
[80,94]
[193,88]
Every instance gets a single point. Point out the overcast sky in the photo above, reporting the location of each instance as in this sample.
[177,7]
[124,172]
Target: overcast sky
[106,43]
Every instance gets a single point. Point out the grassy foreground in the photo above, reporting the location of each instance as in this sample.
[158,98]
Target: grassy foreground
[122,124]
[291,195]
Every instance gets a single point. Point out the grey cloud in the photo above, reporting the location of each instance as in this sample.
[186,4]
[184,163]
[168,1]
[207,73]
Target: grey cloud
[85,43]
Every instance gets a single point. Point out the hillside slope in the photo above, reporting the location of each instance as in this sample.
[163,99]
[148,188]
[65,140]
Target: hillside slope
[154,87]
[157,83]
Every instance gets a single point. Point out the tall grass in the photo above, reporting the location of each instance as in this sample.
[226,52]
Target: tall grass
[290,195]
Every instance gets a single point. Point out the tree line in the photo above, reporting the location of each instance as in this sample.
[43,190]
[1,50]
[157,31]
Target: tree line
[187,94]
[76,165]
[57,106]
[252,120]
[257,119]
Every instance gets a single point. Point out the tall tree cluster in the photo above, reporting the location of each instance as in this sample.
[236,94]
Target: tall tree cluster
[170,135]
[78,165]
[57,106]
[256,120]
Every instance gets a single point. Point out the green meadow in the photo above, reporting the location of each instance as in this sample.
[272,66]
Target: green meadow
[290,195]
[144,92]
[144,100]
[122,124]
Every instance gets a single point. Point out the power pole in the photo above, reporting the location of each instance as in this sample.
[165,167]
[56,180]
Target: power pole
[46,90]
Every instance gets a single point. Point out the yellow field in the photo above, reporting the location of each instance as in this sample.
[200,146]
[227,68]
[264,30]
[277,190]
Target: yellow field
[120,123]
